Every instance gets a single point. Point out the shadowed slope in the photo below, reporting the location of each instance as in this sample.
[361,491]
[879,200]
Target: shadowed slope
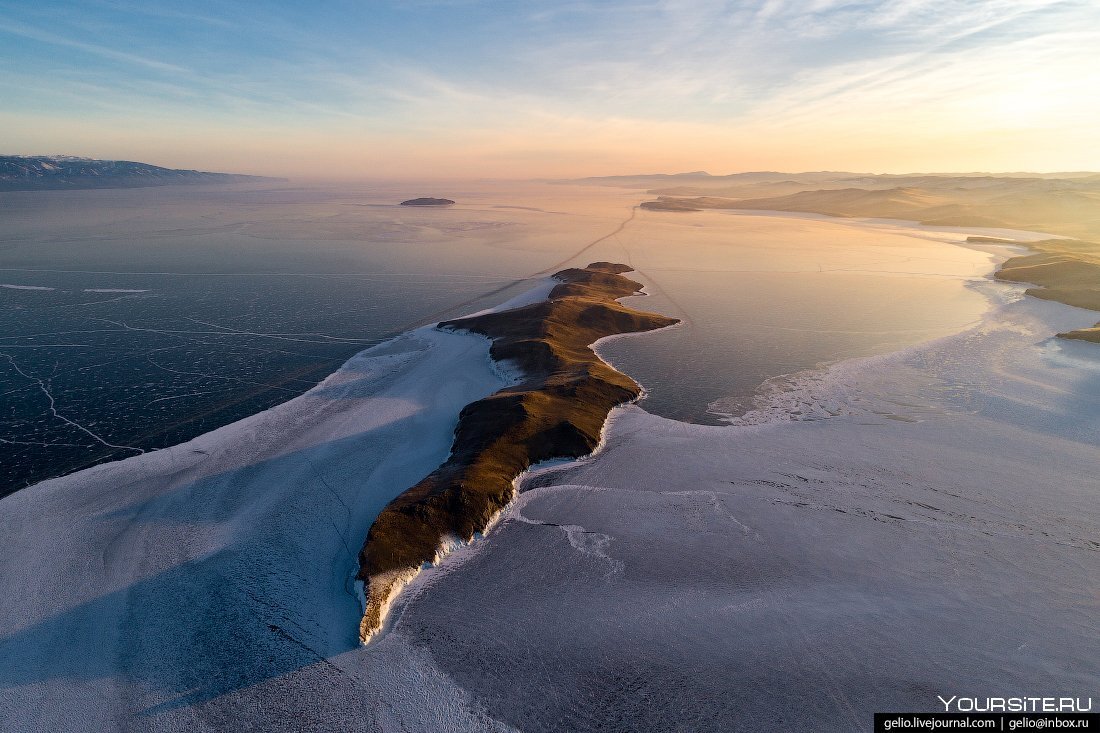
[556,411]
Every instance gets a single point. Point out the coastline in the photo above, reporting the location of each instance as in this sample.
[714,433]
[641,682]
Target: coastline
[1065,271]
[556,410]
[1057,266]
[1063,268]
[266,549]
[198,571]
[916,542]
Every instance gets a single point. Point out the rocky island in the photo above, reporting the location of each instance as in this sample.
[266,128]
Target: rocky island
[556,410]
[425,201]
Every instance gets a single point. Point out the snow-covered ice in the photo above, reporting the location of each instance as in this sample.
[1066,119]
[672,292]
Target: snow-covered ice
[917,524]
[143,592]
[871,536]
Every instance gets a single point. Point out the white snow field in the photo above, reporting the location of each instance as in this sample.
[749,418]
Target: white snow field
[139,594]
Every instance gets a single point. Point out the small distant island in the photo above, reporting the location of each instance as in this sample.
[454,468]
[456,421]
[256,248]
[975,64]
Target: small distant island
[66,172]
[425,201]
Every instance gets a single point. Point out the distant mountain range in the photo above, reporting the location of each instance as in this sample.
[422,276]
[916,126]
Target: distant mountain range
[60,172]
[698,182]
[1067,203]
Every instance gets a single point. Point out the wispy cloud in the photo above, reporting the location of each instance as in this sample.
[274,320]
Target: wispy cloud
[673,75]
[106,52]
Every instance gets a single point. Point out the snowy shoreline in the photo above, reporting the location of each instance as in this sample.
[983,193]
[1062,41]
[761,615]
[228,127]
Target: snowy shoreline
[208,585]
[932,530]
[236,547]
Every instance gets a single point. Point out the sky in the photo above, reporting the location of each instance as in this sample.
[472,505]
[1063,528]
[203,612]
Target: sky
[460,88]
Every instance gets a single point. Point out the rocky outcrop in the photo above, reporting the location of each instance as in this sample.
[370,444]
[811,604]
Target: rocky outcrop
[557,410]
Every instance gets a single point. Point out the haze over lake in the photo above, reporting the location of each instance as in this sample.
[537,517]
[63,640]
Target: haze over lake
[153,315]
[149,316]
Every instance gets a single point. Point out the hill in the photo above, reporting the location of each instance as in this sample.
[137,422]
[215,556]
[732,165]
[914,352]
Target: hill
[53,173]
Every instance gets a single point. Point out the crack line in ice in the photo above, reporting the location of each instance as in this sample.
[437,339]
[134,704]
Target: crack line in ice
[180,396]
[218,376]
[224,331]
[59,416]
[64,333]
[281,336]
[718,507]
[89,302]
[41,443]
[50,346]
[350,578]
[582,540]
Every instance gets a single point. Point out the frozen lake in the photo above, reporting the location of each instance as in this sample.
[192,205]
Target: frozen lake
[914,522]
[136,319]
